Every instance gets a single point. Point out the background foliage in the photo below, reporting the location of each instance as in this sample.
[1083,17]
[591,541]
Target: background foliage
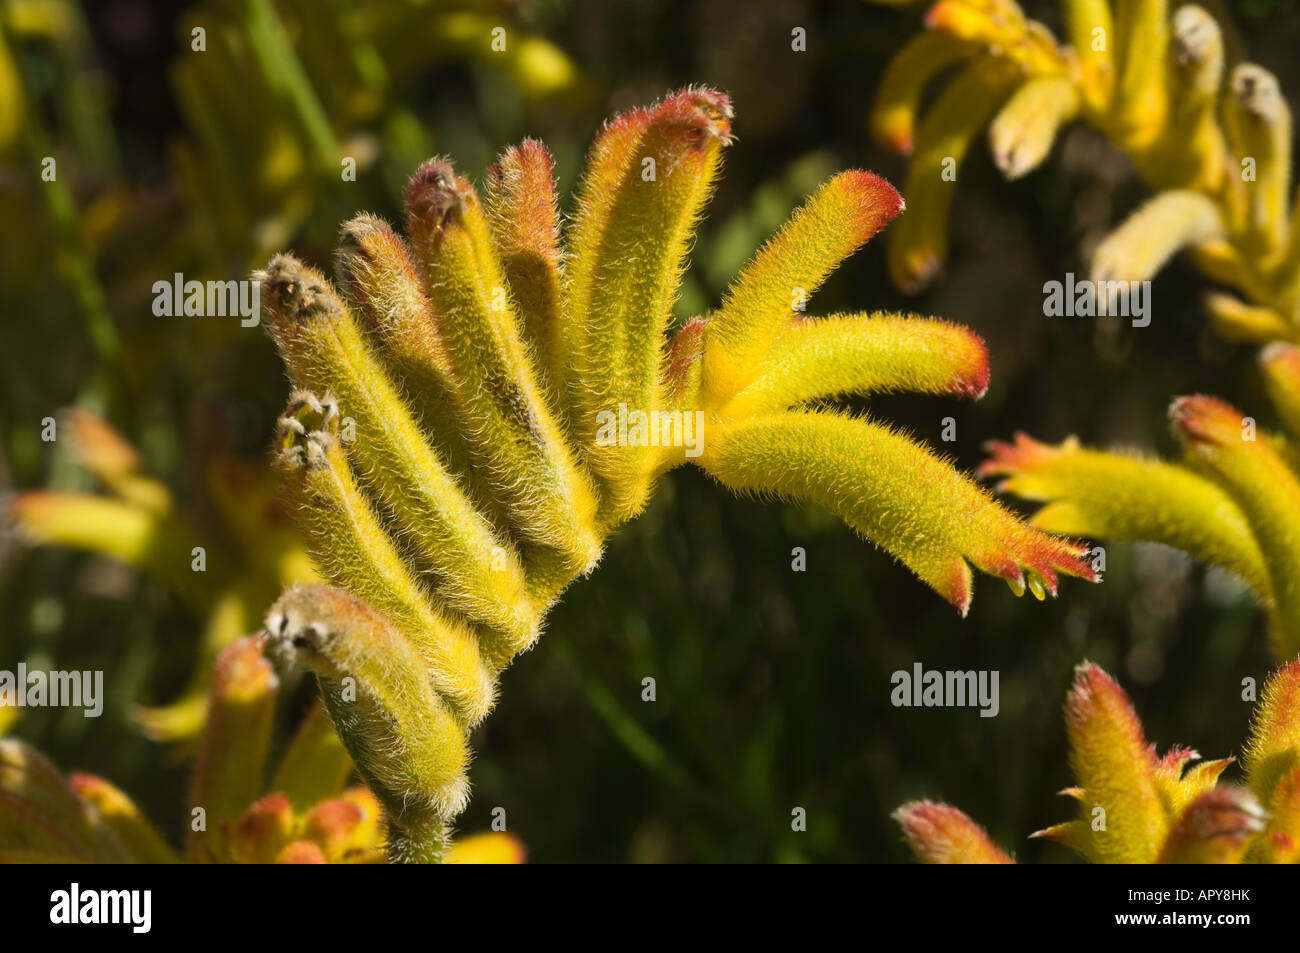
[773,686]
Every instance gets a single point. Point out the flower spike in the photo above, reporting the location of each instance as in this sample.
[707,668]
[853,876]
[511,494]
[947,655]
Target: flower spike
[489,399]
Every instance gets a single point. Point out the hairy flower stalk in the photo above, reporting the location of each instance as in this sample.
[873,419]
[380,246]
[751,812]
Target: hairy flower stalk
[1138,807]
[490,398]
[405,741]
[1214,144]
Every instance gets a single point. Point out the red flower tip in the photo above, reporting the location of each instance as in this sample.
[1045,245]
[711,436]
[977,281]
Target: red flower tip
[959,590]
[1280,353]
[877,202]
[1176,758]
[1003,565]
[1022,453]
[301,852]
[332,820]
[436,195]
[702,111]
[1206,421]
[973,381]
[531,153]
[940,833]
[1095,690]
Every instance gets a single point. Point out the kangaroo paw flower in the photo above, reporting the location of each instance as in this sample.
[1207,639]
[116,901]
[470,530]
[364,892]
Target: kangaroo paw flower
[1135,807]
[1221,440]
[940,834]
[453,540]
[898,97]
[838,220]
[1213,146]
[1125,496]
[490,398]
[403,739]
[863,354]
[1163,226]
[895,493]
[1021,135]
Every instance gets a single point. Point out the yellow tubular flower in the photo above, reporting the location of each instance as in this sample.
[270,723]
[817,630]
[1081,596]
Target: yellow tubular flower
[402,738]
[1238,321]
[353,550]
[1153,234]
[898,97]
[1233,502]
[1258,123]
[1193,141]
[1115,771]
[475,570]
[881,483]
[515,440]
[1225,442]
[865,354]
[1088,27]
[1141,101]
[1117,496]
[940,834]
[670,157]
[1022,134]
[920,243]
[1215,148]
[1136,807]
[761,303]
